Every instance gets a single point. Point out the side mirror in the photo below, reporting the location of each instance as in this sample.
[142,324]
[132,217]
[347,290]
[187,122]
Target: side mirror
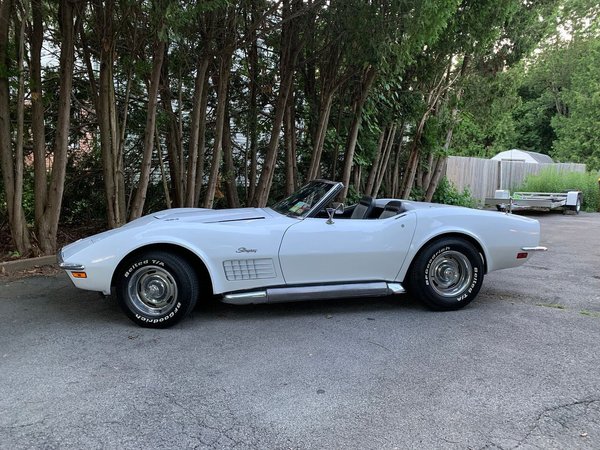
[337,208]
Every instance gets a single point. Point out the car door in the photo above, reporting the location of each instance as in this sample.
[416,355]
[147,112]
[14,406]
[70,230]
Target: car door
[314,251]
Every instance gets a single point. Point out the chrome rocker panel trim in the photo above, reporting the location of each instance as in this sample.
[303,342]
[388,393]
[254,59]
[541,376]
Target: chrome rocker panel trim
[312,292]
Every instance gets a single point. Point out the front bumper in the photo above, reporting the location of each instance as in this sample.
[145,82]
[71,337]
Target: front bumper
[68,266]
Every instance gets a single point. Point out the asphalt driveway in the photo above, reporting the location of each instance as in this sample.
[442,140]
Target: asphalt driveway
[518,368]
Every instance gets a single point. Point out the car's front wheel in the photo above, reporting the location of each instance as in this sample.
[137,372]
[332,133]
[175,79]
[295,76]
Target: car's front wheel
[446,274]
[156,289]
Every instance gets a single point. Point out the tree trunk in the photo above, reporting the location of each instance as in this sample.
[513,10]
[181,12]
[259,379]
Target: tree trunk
[16,216]
[163,170]
[411,167]
[413,159]
[335,151]
[48,225]
[320,134]
[396,171]
[20,45]
[385,161]
[367,80]
[442,161]
[375,166]
[289,144]
[196,120]
[433,99]
[36,38]
[201,145]
[440,169]
[137,206]
[330,79]
[263,188]
[254,70]
[222,83]
[108,123]
[230,177]
[289,56]
[173,139]
[357,177]
[428,172]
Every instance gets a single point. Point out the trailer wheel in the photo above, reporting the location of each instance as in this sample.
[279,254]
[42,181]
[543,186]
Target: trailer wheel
[577,207]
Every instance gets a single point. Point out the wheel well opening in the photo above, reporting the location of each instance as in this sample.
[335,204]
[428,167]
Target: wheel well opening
[465,237]
[182,252]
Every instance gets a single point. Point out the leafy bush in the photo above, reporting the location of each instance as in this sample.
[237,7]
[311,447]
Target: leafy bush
[551,180]
[448,194]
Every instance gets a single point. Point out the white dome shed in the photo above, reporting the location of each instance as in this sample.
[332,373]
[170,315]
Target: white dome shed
[523,156]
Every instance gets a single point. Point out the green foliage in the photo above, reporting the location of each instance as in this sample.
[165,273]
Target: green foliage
[353,196]
[550,180]
[550,103]
[447,194]
[577,134]
[486,126]
[83,200]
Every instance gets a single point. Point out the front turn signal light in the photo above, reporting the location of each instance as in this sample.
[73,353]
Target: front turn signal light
[79,274]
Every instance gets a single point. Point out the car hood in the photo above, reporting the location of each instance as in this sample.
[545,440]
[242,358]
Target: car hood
[198,215]
[210,215]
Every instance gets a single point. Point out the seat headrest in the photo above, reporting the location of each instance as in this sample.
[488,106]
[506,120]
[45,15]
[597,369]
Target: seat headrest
[366,200]
[363,208]
[392,208]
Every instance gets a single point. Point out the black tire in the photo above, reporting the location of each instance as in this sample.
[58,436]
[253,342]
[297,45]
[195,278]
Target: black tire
[156,289]
[446,274]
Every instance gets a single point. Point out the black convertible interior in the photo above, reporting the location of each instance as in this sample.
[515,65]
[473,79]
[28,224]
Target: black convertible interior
[367,208]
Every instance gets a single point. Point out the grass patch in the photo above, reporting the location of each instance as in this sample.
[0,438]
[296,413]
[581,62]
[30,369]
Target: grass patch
[551,180]
[551,305]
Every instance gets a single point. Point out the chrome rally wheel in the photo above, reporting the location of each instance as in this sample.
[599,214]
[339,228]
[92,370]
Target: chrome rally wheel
[450,274]
[152,290]
[156,289]
[446,274]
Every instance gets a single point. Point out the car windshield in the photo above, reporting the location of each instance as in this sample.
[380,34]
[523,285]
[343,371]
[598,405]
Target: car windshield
[303,200]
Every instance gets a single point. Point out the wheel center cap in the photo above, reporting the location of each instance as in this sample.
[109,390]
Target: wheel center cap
[155,290]
[449,273]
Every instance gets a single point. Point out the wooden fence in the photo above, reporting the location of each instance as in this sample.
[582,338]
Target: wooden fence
[483,176]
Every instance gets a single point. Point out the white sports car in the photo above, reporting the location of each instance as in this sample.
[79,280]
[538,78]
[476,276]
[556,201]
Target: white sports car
[305,247]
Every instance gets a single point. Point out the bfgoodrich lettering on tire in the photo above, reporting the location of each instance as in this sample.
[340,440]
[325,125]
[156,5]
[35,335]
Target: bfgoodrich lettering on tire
[156,289]
[446,274]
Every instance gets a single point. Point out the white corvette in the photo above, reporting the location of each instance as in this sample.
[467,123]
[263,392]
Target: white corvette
[302,248]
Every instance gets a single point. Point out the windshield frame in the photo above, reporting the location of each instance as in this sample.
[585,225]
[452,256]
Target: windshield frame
[333,190]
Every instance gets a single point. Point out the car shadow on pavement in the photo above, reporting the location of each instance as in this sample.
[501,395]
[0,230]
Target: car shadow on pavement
[347,306]
[59,302]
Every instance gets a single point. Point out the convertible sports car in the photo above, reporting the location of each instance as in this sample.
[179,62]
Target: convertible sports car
[304,247]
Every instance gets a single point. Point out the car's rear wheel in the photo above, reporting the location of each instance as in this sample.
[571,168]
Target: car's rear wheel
[157,289]
[446,274]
